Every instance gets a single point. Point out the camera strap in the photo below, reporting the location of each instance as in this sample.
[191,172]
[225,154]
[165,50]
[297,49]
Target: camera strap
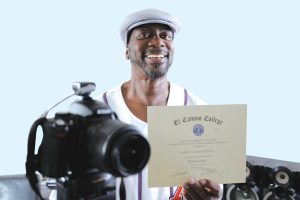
[122,190]
[31,161]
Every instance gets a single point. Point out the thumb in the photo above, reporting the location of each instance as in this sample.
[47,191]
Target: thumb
[211,186]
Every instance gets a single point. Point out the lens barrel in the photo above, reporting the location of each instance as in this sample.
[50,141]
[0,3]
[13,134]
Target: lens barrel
[117,148]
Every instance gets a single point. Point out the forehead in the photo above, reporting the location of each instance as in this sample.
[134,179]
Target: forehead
[152,27]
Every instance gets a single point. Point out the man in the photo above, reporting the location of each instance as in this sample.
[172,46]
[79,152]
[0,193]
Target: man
[148,36]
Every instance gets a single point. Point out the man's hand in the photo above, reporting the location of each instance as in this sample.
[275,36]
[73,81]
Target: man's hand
[201,189]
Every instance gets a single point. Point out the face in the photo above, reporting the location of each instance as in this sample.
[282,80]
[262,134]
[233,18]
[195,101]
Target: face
[150,49]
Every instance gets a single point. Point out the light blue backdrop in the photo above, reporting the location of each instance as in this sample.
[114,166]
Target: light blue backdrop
[227,52]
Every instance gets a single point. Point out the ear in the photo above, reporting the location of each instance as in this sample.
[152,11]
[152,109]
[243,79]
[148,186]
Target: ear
[126,53]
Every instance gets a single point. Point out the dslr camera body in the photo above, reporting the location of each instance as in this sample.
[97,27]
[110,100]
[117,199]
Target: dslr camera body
[85,149]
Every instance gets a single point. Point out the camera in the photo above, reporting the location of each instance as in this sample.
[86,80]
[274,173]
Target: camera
[85,148]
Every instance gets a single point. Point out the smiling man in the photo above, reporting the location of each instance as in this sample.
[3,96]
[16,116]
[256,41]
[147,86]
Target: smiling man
[150,47]
[148,36]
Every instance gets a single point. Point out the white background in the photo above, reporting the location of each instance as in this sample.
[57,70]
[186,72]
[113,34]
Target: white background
[227,52]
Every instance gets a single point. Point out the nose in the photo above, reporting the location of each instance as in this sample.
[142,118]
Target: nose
[156,41]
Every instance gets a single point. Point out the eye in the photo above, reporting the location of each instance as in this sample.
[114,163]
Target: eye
[167,35]
[143,35]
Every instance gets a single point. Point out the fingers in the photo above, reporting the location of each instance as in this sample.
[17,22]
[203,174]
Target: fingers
[201,189]
[193,189]
[210,186]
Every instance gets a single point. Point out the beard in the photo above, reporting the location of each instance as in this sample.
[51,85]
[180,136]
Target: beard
[154,70]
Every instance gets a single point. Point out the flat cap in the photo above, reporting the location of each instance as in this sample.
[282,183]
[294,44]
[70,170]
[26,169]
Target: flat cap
[148,16]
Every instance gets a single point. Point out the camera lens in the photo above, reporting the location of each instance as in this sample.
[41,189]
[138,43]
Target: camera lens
[117,148]
[130,153]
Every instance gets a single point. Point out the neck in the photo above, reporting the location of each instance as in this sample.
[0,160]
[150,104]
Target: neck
[140,93]
[149,92]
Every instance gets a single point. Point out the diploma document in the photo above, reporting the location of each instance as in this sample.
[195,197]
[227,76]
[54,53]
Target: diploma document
[205,141]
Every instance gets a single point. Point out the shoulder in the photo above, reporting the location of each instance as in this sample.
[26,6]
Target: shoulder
[114,99]
[191,98]
[195,100]
[111,94]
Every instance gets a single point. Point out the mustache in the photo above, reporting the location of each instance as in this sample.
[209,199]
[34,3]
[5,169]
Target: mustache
[156,51]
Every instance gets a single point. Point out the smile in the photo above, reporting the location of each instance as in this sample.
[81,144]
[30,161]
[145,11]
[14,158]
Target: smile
[155,56]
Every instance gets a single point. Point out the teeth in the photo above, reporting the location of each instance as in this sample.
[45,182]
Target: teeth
[155,56]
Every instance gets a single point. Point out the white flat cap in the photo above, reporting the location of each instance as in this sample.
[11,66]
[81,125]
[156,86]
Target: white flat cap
[148,16]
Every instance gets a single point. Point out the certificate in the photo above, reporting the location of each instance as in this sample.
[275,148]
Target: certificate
[205,141]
